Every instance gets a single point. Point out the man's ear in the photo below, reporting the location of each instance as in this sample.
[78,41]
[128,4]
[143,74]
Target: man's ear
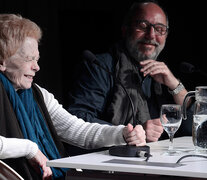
[2,66]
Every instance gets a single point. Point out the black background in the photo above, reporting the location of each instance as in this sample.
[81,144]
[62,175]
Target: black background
[70,26]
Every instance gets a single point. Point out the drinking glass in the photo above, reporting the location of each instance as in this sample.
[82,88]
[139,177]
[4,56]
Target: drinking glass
[171,118]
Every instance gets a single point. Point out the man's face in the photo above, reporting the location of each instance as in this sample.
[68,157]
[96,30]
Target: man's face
[22,66]
[148,43]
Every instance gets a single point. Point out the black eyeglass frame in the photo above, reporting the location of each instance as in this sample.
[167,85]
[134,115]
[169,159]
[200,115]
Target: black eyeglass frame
[149,25]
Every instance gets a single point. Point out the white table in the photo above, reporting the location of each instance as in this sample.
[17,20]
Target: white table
[191,167]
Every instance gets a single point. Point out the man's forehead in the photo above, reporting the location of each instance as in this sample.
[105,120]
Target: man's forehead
[151,12]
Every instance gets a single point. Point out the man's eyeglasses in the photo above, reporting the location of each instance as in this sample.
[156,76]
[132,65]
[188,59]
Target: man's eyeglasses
[143,25]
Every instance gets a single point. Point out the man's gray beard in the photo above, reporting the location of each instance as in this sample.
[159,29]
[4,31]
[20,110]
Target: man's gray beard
[132,45]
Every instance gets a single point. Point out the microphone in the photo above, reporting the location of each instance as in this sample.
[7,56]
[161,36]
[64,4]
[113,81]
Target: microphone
[188,68]
[89,56]
[122,150]
[92,59]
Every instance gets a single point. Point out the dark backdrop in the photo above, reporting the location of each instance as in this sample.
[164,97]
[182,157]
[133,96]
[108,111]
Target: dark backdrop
[70,26]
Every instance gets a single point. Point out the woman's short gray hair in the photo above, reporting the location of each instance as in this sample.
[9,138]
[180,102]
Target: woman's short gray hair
[13,31]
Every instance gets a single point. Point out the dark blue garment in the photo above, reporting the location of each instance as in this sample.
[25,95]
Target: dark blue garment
[93,90]
[31,122]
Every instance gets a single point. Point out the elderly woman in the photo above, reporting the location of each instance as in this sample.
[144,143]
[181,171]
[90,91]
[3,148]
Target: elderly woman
[33,124]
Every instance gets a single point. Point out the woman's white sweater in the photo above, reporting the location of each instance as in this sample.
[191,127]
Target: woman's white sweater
[70,129]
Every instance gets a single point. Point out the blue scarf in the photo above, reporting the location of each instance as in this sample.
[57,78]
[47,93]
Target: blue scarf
[32,123]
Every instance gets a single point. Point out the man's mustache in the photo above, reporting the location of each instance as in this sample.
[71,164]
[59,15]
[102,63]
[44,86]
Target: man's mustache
[148,42]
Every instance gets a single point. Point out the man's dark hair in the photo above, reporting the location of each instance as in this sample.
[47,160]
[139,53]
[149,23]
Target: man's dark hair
[131,12]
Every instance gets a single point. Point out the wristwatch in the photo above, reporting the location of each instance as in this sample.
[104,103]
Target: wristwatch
[175,91]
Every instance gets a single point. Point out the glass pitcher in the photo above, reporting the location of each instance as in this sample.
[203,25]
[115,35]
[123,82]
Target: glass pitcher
[199,126]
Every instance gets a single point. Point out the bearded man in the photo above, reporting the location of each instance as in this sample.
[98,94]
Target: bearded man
[99,97]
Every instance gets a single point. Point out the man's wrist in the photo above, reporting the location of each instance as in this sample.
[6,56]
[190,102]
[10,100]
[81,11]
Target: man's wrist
[177,90]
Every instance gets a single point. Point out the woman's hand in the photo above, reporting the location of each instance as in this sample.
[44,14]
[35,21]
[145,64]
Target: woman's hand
[39,160]
[134,136]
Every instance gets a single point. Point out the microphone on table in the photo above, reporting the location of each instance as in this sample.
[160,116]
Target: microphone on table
[122,150]
[188,68]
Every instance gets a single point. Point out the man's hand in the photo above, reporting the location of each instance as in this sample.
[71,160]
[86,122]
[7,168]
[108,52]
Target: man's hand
[134,136]
[153,129]
[39,160]
[159,72]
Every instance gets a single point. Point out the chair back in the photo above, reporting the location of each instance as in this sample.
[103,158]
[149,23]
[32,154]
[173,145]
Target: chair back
[6,172]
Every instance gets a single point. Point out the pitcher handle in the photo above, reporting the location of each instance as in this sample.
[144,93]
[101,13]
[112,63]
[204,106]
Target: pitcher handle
[185,101]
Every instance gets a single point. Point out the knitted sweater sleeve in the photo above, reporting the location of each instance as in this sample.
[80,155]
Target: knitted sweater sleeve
[77,132]
[14,148]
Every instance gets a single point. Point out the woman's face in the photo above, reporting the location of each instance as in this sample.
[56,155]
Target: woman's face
[20,68]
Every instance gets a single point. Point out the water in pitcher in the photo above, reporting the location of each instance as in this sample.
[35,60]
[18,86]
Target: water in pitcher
[199,127]
[200,131]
